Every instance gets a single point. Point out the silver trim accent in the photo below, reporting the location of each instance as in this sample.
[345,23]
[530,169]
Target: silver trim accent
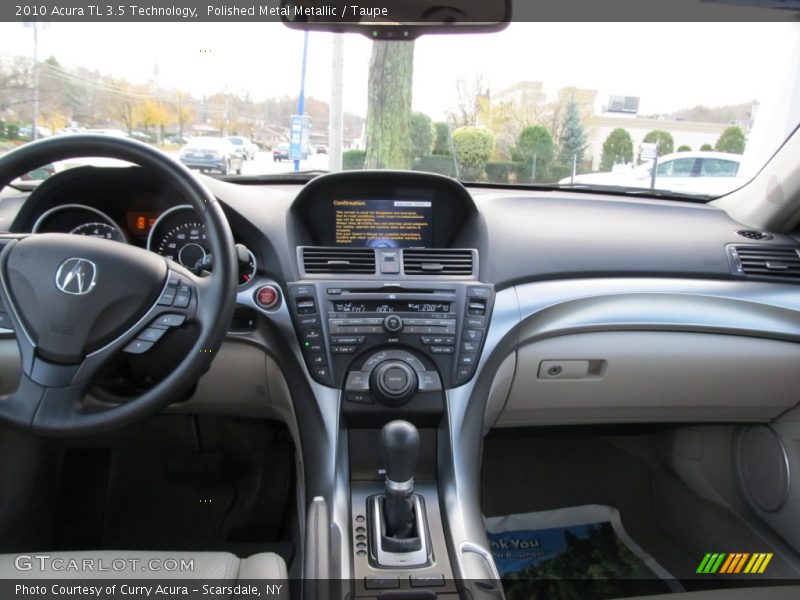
[48,213]
[484,553]
[415,558]
[162,216]
[400,486]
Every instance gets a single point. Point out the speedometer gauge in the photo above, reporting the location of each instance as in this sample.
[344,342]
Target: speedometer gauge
[99,230]
[185,243]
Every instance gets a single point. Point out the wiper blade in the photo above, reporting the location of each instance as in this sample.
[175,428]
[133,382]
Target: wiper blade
[633,191]
[290,176]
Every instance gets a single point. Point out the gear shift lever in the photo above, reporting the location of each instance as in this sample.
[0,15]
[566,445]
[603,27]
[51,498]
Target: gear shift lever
[399,447]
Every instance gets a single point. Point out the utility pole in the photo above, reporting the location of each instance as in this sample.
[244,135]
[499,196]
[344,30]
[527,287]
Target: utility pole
[35,72]
[336,114]
[301,100]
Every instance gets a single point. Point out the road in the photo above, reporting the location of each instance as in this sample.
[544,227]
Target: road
[263,164]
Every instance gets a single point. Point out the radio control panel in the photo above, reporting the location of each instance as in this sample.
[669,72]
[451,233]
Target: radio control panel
[340,323]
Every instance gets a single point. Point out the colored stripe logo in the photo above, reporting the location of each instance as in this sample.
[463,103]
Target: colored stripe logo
[734,563]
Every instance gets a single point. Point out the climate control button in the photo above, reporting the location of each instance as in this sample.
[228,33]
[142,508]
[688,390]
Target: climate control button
[393,382]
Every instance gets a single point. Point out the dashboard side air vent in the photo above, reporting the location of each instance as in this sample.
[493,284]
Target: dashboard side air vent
[433,261]
[770,262]
[338,260]
[752,234]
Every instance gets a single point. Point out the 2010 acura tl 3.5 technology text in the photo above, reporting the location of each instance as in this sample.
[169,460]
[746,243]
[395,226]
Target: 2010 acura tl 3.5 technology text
[465,301]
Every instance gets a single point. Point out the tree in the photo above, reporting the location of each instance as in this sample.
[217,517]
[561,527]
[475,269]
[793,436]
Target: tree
[535,143]
[732,140]
[421,135]
[391,68]
[618,148]
[706,148]
[572,143]
[473,146]
[181,113]
[469,93]
[663,139]
[441,141]
[153,114]
[684,148]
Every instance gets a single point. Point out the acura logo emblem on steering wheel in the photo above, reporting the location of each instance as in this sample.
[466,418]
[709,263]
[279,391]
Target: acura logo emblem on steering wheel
[76,276]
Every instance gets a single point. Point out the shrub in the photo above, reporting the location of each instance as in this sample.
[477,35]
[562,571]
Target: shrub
[499,172]
[663,139]
[421,135]
[353,159]
[473,146]
[12,131]
[706,148]
[684,148]
[618,148]
[441,140]
[435,164]
[732,140]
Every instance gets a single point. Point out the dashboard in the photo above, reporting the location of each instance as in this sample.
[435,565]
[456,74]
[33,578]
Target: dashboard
[395,288]
[123,205]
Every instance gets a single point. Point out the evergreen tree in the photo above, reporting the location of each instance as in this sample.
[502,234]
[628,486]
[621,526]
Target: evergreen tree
[441,142]
[618,148]
[573,137]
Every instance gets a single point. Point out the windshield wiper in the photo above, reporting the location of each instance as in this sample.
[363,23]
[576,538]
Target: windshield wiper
[288,176]
[591,188]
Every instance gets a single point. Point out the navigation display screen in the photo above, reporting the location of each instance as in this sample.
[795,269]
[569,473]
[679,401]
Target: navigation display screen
[383,223]
[375,306]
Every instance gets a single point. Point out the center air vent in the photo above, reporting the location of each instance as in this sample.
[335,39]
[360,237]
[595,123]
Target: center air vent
[752,234]
[763,261]
[339,260]
[438,262]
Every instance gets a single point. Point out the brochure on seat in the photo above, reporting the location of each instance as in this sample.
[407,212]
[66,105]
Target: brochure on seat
[577,552]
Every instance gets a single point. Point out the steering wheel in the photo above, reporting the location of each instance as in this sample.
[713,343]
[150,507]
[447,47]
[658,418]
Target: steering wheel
[75,302]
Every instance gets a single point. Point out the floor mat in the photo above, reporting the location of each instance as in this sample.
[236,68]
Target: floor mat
[182,483]
[577,552]
[532,473]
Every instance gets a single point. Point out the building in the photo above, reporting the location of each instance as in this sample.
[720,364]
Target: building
[688,133]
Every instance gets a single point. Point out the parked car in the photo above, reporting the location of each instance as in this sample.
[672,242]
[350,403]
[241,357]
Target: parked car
[692,172]
[245,147]
[212,154]
[322,149]
[280,152]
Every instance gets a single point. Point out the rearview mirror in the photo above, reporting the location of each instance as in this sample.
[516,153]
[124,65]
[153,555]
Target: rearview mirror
[398,19]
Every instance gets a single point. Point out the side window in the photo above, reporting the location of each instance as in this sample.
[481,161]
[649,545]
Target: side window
[679,167]
[718,167]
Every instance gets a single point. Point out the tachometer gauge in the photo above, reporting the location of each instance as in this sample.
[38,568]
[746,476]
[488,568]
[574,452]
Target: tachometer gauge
[100,230]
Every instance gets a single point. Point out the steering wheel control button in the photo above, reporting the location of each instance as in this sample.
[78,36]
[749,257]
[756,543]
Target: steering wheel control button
[169,320]
[183,296]
[357,381]
[168,296]
[267,296]
[429,381]
[151,334]
[393,324]
[173,280]
[138,347]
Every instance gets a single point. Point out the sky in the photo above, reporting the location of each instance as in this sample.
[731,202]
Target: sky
[668,65]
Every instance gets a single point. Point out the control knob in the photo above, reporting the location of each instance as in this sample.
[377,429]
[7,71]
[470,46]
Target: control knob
[393,324]
[393,382]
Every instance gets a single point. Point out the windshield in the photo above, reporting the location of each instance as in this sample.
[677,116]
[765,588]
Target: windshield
[567,104]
